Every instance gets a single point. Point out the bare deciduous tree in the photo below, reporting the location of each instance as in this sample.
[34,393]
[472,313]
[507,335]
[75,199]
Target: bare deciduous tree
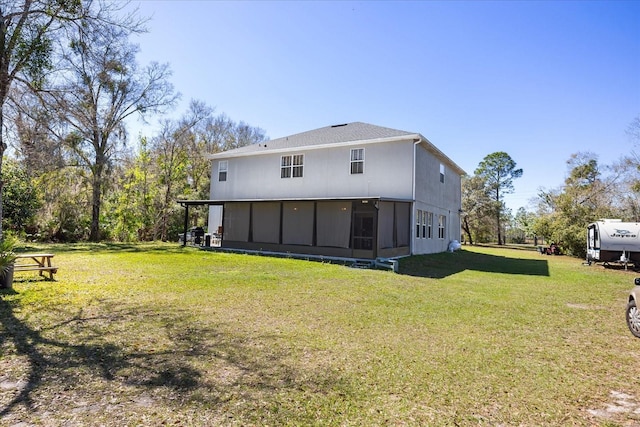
[100,88]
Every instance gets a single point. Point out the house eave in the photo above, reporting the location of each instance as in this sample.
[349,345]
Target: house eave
[230,154]
[416,138]
[428,145]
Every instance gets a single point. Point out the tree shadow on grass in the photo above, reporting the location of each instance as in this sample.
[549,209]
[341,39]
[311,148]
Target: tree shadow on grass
[169,357]
[445,264]
[105,247]
[46,356]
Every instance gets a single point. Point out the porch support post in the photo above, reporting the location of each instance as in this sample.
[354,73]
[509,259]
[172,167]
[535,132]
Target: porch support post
[186,224]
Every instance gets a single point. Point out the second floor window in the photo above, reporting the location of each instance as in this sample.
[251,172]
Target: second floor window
[357,161]
[292,166]
[222,170]
[441,173]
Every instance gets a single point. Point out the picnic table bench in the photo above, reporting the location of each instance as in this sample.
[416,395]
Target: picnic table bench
[35,262]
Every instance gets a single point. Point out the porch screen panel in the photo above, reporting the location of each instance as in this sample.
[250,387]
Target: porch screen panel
[236,221]
[297,223]
[385,224]
[333,224]
[403,224]
[265,222]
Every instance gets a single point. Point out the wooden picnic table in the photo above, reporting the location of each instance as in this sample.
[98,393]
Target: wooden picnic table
[35,262]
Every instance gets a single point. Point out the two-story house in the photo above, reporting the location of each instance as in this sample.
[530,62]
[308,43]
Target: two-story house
[352,190]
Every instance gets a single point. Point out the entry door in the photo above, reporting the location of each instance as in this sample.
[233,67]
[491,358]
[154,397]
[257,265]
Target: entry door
[593,243]
[363,223]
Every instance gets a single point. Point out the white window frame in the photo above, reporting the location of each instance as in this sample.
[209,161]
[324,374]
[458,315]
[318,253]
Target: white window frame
[441,173]
[430,225]
[442,224]
[223,169]
[292,166]
[358,160]
[285,166]
[298,166]
[418,221]
[424,224]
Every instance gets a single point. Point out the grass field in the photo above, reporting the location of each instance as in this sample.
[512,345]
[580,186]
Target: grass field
[161,335]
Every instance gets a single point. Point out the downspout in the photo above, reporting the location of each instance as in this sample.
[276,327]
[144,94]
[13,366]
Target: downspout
[449,233]
[413,197]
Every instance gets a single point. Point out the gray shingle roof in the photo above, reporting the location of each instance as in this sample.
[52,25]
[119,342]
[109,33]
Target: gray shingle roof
[348,132]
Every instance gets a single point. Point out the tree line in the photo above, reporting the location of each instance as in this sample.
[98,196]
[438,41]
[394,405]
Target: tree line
[69,85]
[591,191]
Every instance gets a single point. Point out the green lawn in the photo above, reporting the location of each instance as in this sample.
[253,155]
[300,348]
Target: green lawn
[158,334]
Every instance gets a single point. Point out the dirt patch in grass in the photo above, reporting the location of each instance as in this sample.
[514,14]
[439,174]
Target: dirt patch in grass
[585,306]
[622,409]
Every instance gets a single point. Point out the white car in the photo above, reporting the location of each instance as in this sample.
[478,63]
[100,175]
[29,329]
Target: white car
[633,312]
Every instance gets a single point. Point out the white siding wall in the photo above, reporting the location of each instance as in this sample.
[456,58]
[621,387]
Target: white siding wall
[438,198]
[387,173]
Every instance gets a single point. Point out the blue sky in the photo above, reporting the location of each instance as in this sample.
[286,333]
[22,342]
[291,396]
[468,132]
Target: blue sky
[538,80]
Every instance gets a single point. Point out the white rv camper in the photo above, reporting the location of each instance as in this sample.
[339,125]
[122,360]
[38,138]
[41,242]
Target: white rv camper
[611,240]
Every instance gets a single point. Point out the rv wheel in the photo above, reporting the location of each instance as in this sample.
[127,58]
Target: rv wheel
[633,318]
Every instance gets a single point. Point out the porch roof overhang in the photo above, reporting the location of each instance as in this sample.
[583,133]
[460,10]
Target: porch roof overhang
[214,202]
[185,203]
